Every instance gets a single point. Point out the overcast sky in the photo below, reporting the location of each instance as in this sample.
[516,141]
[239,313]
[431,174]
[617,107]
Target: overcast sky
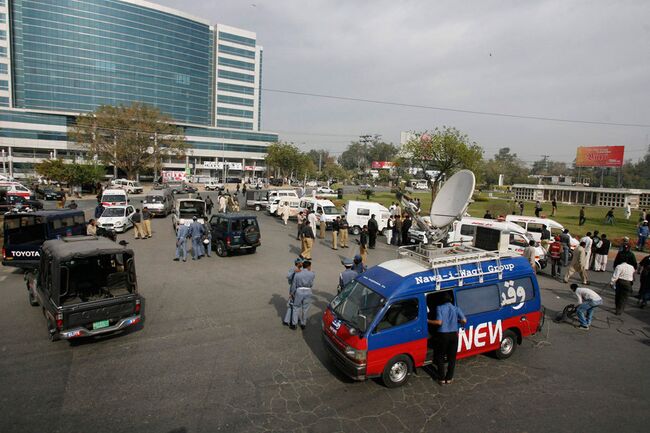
[567,59]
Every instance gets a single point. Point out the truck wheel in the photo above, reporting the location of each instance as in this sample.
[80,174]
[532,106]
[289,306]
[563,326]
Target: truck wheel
[356,230]
[396,372]
[221,249]
[32,299]
[508,345]
[258,207]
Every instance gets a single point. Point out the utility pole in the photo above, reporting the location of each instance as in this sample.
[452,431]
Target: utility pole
[545,159]
[364,140]
[320,161]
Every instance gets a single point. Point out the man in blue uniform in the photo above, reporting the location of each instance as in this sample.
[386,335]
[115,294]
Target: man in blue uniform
[301,291]
[196,233]
[357,265]
[289,319]
[182,234]
[448,316]
[347,275]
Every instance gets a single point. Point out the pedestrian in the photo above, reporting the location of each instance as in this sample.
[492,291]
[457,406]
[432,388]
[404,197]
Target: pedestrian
[609,217]
[182,234]
[373,228]
[238,188]
[602,251]
[644,216]
[301,291]
[406,225]
[347,275]
[488,215]
[622,281]
[223,203]
[588,244]
[521,208]
[73,205]
[581,218]
[448,316]
[625,255]
[91,228]
[553,206]
[99,209]
[644,288]
[343,231]
[577,264]
[322,226]
[313,221]
[397,231]
[538,208]
[286,211]
[146,222]
[136,219]
[243,190]
[209,204]
[301,222]
[565,240]
[363,244]
[389,229]
[594,241]
[529,254]
[643,232]
[307,237]
[588,301]
[627,211]
[398,210]
[196,233]
[335,232]
[357,265]
[545,238]
[289,318]
[555,252]
[391,209]
[60,203]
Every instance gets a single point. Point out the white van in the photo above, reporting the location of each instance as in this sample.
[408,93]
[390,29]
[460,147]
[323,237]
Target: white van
[359,212]
[533,226]
[160,202]
[292,202]
[274,197]
[15,188]
[114,197]
[130,186]
[325,209]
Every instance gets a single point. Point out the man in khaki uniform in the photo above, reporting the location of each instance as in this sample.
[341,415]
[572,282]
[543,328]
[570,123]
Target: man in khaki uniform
[322,226]
[335,232]
[343,231]
[578,263]
[307,237]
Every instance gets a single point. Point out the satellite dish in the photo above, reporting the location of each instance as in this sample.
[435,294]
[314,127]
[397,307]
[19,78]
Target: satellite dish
[452,199]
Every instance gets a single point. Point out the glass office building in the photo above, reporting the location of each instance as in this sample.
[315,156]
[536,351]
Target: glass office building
[59,58]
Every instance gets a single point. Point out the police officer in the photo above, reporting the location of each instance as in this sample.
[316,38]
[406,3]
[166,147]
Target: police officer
[347,275]
[196,233]
[289,317]
[182,234]
[301,291]
[373,228]
[307,237]
[343,231]
[357,265]
[335,232]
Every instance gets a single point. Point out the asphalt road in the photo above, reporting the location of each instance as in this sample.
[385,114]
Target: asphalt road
[213,356]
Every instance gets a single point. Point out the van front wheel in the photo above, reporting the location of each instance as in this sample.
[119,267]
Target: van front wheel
[356,230]
[508,345]
[397,370]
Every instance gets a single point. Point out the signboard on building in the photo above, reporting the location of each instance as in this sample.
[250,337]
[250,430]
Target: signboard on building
[173,175]
[254,168]
[600,156]
[382,164]
[219,165]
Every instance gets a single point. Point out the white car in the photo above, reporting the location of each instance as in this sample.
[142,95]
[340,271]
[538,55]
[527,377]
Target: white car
[130,186]
[213,185]
[116,218]
[311,183]
[325,190]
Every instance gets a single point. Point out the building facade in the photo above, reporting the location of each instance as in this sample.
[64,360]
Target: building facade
[584,195]
[64,57]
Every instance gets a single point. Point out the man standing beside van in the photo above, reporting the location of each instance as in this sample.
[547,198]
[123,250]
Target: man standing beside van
[146,222]
[578,264]
[335,233]
[136,219]
[307,238]
[529,254]
[448,316]
[343,231]
[373,228]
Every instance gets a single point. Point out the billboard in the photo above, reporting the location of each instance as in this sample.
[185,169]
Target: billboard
[382,164]
[600,156]
[174,175]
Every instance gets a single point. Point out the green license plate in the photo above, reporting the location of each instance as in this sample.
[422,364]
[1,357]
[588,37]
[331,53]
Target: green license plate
[101,324]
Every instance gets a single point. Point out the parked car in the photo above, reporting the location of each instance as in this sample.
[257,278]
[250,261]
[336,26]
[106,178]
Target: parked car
[130,186]
[185,209]
[9,202]
[188,189]
[311,183]
[48,194]
[160,202]
[234,232]
[15,188]
[276,182]
[175,186]
[214,185]
[325,190]
[116,218]
[86,286]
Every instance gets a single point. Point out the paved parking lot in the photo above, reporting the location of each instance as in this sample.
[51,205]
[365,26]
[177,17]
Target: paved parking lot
[213,356]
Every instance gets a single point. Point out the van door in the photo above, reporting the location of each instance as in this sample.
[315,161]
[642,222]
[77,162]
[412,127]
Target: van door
[518,243]
[401,330]
[484,329]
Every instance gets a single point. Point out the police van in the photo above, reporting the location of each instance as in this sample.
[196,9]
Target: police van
[377,326]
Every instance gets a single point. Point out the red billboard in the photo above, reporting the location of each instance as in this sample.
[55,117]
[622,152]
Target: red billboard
[600,156]
[382,164]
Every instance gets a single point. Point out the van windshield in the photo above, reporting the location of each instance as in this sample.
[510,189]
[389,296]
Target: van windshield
[355,302]
[191,208]
[330,210]
[111,198]
[154,199]
[112,212]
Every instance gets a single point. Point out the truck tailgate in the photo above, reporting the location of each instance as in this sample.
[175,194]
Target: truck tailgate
[88,313]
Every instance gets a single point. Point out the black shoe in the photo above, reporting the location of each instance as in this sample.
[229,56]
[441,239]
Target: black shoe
[292,326]
[176,260]
[302,327]
[285,323]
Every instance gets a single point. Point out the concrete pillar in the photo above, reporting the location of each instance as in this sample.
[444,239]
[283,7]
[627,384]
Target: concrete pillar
[10,158]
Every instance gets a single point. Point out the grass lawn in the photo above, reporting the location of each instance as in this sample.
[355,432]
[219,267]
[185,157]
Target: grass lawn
[566,215]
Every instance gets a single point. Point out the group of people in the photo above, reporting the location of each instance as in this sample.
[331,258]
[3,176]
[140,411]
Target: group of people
[200,237]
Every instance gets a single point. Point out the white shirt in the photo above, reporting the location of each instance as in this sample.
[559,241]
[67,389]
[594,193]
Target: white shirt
[585,294]
[312,222]
[588,241]
[624,271]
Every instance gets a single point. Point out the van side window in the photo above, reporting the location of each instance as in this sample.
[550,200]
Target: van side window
[520,224]
[519,240]
[398,314]
[513,292]
[478,299]
[467,230]
[534,227]
[361,211]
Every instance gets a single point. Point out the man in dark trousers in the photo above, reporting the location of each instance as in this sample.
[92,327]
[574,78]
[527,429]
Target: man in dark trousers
[99,209]
[448,316]
[397,231]
[406,225]
[373,228]
[363,244]
[209,204]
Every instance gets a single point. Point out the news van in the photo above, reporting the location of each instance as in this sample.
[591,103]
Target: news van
[377,326]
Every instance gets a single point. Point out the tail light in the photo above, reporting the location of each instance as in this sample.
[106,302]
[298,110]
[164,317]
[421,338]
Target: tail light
[4,253]
[137,306]
[228,240]
[59,320]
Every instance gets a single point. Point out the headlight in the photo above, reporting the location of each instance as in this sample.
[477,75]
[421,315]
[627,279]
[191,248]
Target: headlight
[354,354]
[119,223]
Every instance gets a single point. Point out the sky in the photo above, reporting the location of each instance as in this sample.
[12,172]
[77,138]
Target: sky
[580,60]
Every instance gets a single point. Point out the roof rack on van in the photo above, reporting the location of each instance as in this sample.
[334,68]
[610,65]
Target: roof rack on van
[436,258]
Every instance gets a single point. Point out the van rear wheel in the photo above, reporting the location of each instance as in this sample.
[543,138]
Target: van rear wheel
[258,207]
[396,372]
[508,345]
[356,230]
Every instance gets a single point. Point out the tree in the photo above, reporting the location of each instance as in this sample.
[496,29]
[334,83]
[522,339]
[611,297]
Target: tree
[283,158]
[504,163]
[445,150]
[360,154]
[129,137]
[71,174]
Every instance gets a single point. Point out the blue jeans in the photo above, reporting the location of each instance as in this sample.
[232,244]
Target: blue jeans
[585,311]
[181,249]
[565,255]
[197,248]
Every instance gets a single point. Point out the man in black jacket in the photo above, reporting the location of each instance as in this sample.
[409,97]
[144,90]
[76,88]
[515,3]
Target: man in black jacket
[373,228]
[335,233]
[406,225]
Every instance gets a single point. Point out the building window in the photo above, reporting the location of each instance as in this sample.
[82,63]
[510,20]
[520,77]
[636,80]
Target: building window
[236,51]
[4,69]
[234,112]
[3,35]
[4,101]
[236,76]
[234,100]
[3,51]
[236,64]
[3,18]
[237,39]
[227,87]
[234,124]
[4,85]
[183,79]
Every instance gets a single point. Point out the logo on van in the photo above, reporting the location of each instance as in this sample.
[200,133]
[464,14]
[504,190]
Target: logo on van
[463,273]
[26,254]
[484,333]
[510,295]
